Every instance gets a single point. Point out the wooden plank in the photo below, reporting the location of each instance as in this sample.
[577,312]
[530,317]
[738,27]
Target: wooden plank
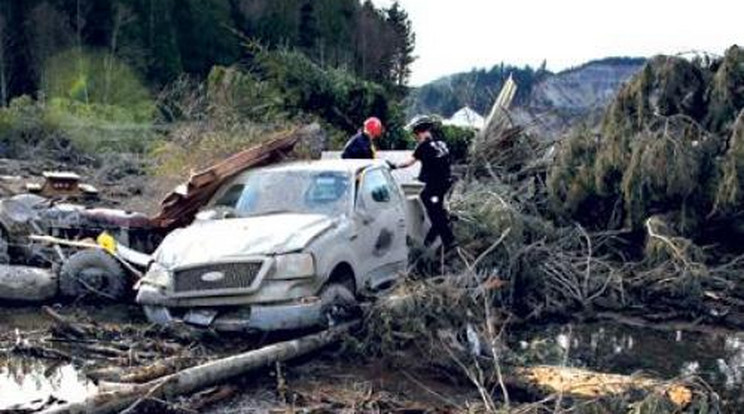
[179,209]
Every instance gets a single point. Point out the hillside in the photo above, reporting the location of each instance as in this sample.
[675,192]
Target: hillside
[574,96]
[551,101]
[476,89]
[589,86]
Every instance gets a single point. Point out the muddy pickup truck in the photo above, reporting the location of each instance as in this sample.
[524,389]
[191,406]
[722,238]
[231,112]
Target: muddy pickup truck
[285,247]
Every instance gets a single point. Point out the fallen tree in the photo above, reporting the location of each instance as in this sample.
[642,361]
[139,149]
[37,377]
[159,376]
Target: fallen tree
[115,397]
[582,383]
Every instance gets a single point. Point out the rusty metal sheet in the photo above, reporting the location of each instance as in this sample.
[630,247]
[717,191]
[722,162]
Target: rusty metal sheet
[180,206]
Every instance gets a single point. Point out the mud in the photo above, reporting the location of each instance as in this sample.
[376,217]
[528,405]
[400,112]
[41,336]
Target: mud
[332,381]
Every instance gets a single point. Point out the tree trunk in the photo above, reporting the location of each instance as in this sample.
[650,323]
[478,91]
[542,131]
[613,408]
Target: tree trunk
[26,284]
[575,382]
[118,397]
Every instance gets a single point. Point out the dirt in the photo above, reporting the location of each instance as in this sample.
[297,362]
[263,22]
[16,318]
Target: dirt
[122,183]
[327,382]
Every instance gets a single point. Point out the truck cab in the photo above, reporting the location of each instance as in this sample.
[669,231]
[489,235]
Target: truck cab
[282,247]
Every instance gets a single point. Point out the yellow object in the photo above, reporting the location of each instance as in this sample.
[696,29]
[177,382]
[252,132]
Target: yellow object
[107,242]
[374,150]
[583,383]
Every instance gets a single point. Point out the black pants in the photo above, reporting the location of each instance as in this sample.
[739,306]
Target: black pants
[433,198]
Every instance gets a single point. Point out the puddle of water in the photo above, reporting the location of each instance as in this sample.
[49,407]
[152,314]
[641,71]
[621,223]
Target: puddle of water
[608,347]
[28,382]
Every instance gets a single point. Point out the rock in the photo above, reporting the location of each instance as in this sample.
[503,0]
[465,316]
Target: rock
[27,284]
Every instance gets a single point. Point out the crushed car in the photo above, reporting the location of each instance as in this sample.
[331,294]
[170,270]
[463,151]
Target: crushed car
[284,247]
[28,221]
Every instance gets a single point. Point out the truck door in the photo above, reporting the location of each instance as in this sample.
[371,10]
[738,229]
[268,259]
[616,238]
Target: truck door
[380,224]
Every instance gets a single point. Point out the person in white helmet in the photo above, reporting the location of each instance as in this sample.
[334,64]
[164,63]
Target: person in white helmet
[436,175]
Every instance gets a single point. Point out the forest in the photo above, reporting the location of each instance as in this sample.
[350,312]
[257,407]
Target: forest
[135,76]
[163,39]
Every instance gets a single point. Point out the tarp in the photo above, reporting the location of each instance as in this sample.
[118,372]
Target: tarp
[466,118]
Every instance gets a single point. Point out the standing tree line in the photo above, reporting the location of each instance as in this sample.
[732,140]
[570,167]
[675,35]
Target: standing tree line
[163,39]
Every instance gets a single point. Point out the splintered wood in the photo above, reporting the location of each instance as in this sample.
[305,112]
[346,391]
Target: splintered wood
[588,384]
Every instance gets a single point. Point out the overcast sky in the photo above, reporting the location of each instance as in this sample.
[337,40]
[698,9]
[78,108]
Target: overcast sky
[455,36]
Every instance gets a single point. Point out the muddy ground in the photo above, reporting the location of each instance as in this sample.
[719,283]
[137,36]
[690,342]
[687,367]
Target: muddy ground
[322,382]
[123,182]
[338,380]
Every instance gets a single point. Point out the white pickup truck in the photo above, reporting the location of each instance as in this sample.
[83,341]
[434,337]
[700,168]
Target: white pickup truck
[285,247]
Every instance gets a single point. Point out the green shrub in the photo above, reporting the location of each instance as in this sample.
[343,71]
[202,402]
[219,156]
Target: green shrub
[458,140]
[340,99]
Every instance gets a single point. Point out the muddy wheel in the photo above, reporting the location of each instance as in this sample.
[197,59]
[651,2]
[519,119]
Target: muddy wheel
[159,315]
[4,246]
[93,273]
[338,304]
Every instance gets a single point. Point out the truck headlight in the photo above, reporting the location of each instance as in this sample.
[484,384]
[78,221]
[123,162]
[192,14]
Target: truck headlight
[157,275]
[294,266]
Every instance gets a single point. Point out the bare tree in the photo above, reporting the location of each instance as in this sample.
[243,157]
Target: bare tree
[50,34]
[5,46]
[123,16]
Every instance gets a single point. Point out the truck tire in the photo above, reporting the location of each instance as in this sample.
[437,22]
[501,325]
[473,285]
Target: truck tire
[93,273]
[338,304]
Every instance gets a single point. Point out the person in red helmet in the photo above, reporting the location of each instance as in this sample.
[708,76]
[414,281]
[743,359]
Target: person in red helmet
[362,145]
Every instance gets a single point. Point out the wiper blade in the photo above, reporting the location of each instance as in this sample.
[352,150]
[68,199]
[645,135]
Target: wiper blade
[272,212]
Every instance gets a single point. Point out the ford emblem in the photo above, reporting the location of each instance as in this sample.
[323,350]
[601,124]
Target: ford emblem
[212,277]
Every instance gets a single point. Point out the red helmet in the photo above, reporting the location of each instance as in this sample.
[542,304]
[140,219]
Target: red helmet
[373,127]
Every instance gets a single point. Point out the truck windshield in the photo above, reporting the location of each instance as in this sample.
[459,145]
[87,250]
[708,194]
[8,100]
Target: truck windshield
[273,192]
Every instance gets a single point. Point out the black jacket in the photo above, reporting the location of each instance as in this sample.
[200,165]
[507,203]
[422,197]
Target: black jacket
[358,147]
[435,163]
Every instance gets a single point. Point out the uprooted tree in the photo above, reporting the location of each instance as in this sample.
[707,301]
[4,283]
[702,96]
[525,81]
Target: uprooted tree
[639,212]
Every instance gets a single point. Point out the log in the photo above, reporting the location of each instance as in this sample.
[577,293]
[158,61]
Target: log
[143,374]
[64,324]
[27,284]
[118,397]
[583,383]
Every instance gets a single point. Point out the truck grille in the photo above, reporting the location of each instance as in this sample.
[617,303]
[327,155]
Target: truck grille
[225,276]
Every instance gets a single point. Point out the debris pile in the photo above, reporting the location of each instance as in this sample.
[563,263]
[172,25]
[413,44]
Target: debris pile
[667,145]
[664,169]
[641,213]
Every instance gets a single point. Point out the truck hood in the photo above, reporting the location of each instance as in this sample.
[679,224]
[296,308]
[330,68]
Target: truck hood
[206,241]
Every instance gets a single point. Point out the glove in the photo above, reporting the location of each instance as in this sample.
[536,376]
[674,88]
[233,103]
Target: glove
[391,165]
